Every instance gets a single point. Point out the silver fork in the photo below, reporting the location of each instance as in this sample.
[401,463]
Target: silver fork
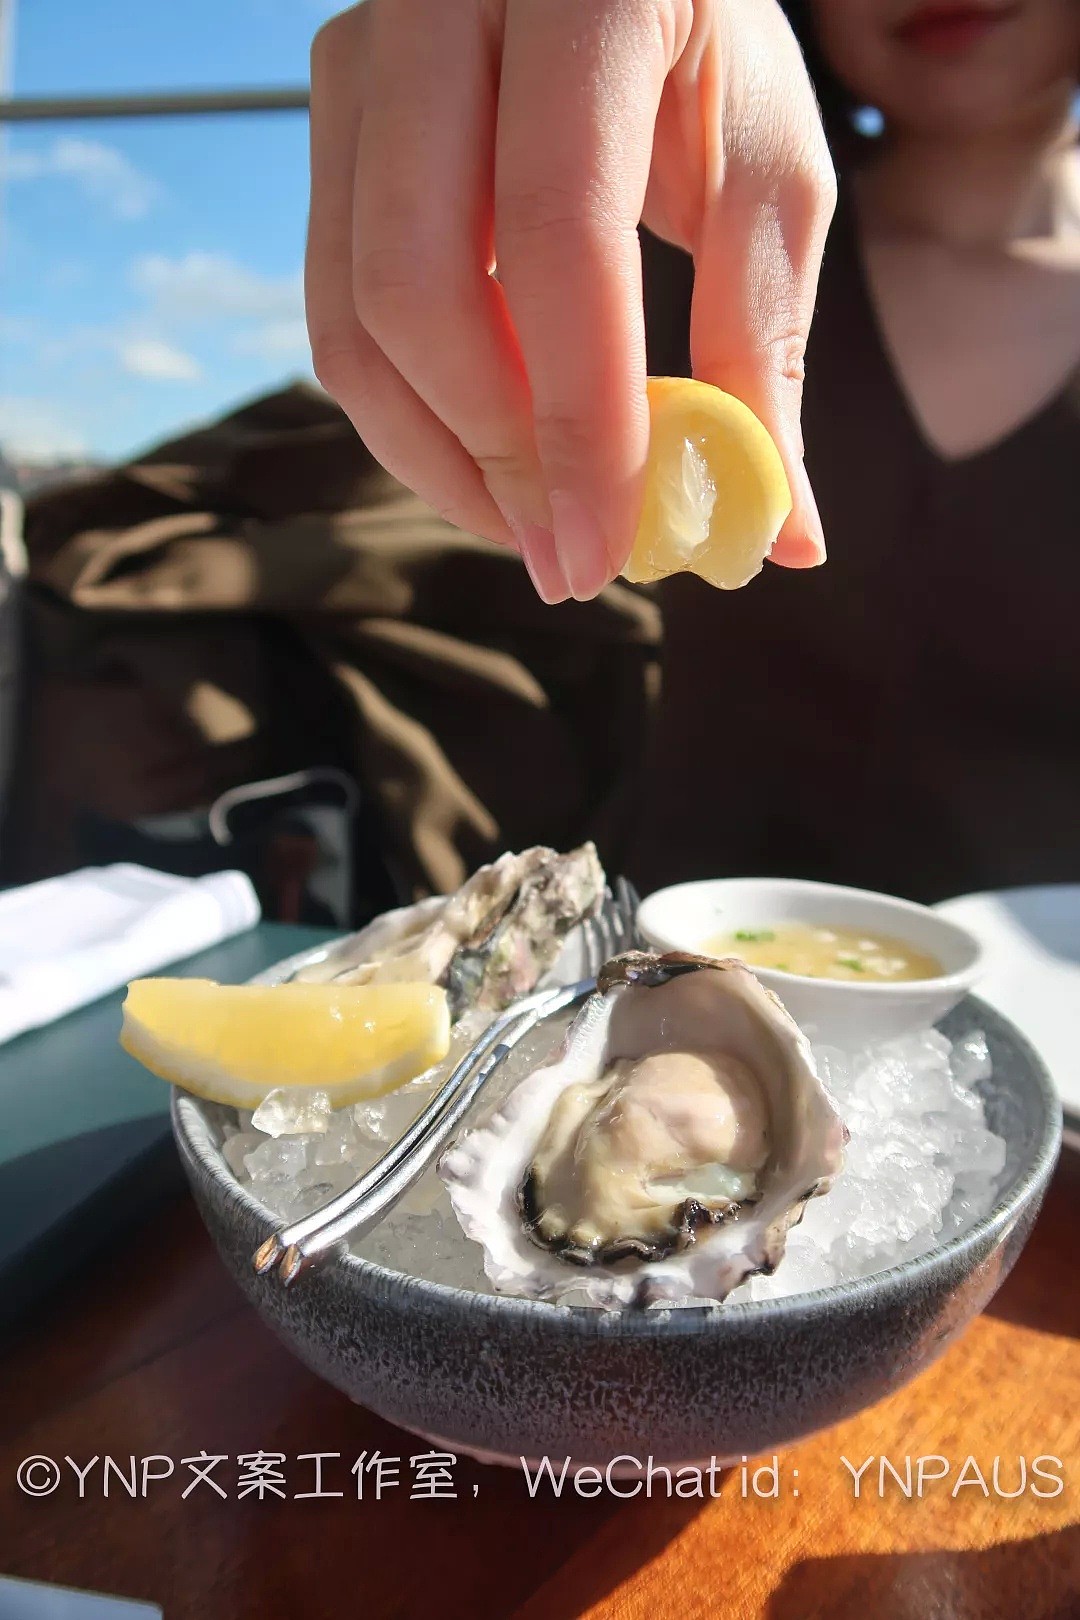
[613,928]
[361,1206]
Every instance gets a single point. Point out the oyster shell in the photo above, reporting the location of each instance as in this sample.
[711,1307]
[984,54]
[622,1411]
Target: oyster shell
[663,1151]
[489,942]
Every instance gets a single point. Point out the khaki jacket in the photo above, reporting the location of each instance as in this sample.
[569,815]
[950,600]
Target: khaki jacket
[258,595]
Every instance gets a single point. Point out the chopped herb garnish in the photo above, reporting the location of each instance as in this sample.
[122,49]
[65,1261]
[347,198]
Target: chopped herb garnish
[754,936]
[853,963]
[781,967]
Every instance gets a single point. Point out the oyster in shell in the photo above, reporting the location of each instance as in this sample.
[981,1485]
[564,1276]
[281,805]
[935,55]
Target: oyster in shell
[662,1152]
[489,942]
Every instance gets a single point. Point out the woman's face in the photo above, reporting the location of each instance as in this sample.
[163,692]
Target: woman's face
[952,66]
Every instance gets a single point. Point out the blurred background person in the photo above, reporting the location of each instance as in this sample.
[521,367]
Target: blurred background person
[904,718]
[907,717]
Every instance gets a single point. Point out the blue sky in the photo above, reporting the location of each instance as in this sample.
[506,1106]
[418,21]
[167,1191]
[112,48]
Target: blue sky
[149,269]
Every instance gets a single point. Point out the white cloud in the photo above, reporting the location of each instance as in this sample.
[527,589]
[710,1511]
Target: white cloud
[276,340]
[101,172]
[207,286]
[188,318]
[33,430]
[161,361]
[256,315]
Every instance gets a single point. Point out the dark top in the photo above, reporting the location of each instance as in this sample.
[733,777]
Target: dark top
[906,717]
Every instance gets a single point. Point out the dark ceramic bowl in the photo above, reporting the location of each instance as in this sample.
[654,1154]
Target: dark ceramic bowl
[502,1378]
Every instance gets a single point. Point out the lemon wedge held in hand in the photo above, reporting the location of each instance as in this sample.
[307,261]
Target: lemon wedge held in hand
[716,494]
[235,1043]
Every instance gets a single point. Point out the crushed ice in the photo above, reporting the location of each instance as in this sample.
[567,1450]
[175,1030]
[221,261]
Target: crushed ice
[292,1111]
[920,1167]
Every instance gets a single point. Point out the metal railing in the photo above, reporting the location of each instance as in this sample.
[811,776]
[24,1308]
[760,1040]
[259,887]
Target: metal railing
[152,104]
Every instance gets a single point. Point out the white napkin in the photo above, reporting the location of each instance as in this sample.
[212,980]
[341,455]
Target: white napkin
[71,939]
[1032,941]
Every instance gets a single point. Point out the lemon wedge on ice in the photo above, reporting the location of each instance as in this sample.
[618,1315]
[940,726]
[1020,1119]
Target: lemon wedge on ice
[716,494]
[235,1043]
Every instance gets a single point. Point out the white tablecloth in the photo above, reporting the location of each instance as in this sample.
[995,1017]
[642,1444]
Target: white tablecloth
[68,940]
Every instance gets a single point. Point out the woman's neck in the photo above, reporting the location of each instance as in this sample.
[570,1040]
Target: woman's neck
[980,191]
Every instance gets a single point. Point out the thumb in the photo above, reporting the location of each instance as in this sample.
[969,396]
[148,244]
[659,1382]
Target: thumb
[756,272]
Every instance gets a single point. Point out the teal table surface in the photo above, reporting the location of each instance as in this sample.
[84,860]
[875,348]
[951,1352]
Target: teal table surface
[84,1129]
[72,1076]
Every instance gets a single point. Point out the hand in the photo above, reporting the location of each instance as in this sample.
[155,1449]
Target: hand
[451,136]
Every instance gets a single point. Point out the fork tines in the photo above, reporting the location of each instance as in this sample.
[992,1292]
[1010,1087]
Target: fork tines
[357,1209]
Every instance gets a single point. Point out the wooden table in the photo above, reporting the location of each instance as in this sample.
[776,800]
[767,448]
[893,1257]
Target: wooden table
[156,1353]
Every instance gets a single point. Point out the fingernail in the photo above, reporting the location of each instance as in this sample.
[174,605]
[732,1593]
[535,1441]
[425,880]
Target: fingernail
[796,552]
[811,518]
[579,543]
[537,547]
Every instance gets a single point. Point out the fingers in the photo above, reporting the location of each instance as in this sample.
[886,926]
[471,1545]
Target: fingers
[759,255]
[399,428]
[518,406]
[423,240]
[577,107]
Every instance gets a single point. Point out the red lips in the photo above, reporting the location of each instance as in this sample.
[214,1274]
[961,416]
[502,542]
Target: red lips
[950,30]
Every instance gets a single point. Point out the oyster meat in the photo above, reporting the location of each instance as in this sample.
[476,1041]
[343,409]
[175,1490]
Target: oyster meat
[489,942]
[663,1151]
